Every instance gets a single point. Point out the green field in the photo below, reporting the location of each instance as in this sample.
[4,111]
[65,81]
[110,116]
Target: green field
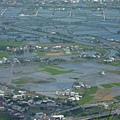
[85,100]
[21,81]
[10,43]
[110,85]
[82,46]
[102,51]
[40,53]
[107,85]
[114,71]
[116,84]
[87,95]
[115,63]
[5,54]
[56,66]
[26,80]
[55,71]
[4,116]
[51,79]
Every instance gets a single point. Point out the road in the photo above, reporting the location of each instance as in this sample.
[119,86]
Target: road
[2,13]
[96,116]
[91,117]
[85,106]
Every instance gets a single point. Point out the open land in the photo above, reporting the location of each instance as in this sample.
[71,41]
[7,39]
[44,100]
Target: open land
[49,47]
[66,27]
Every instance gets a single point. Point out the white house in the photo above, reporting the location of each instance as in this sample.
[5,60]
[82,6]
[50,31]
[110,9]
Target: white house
[22,92]
[2,93]
[1,62]
[2,108]
[4,59]
[19,96]
[57,117]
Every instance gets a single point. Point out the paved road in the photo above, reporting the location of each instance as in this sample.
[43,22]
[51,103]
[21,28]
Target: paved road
[82,106]
[91,117]
[96,116]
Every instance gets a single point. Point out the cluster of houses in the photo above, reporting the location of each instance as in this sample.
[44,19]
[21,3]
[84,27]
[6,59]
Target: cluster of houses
[90,55]
[20,2]
[27,49]
[111,59]
[17,103]
[29,52]
[10,104]
[5,60]
[14,49]
[42,116]
[71,94]
[57,117]
[53,48]
[79,85]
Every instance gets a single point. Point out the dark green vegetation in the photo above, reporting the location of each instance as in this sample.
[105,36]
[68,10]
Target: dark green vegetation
[111,118]
[4,116]
[115,118]
[80,112]
[87,96]
[85,112]
[117,98]
[9,43]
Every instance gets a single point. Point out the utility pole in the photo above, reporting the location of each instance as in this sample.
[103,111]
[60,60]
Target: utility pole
[10,77]
[104,15]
